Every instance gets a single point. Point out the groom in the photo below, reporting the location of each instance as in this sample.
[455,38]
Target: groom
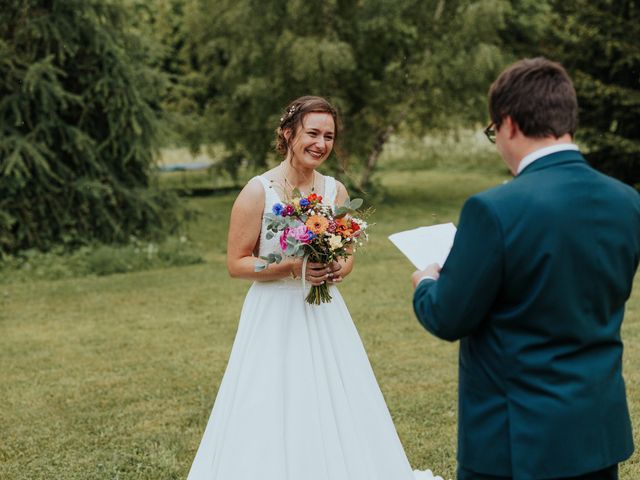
[535,287]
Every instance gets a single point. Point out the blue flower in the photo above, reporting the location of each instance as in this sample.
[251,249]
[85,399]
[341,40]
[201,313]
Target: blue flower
[277,209]
[304,202]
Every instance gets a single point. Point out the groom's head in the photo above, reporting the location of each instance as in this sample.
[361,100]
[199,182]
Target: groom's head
[532,105]
[537,94]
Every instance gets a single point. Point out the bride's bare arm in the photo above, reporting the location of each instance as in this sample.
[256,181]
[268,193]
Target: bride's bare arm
[342,268]
[244,236]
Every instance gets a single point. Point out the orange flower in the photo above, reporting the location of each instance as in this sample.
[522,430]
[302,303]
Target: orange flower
[342,228]
[317,224]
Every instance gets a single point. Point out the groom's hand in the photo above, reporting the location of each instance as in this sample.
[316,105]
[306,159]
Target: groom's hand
[432,271]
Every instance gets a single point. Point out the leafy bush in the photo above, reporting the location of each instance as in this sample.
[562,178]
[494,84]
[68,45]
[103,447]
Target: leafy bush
[98,260]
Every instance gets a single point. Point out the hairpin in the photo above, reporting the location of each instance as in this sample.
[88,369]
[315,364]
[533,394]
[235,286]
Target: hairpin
[292,109]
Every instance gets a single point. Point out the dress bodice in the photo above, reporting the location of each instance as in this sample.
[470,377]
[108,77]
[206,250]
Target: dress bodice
[271,197]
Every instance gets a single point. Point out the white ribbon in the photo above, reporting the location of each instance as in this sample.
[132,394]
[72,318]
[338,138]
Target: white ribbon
[304,275]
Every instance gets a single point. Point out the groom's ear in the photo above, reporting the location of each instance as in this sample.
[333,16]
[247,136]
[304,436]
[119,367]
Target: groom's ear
[512,127]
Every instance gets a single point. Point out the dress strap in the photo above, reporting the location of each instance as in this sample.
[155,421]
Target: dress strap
[270,196]
[330,189]
[263,181]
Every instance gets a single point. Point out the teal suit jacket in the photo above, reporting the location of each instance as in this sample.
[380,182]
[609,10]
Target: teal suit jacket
[535,287]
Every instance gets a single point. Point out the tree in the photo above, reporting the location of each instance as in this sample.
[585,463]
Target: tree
[384,63]
[78,119]
[597,41]
[187,90]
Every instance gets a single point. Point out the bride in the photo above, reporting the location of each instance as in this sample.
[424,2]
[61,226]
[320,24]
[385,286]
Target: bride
[298,400]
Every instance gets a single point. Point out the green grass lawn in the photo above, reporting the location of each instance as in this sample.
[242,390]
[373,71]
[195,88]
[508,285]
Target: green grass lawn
[114,377]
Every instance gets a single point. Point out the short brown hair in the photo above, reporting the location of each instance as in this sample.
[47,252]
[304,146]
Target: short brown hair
[538,95]
[294,115]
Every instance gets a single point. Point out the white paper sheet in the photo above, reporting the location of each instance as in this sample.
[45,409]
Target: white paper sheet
[426,245]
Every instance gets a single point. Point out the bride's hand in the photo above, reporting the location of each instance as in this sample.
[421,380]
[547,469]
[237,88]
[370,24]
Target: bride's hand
[317,273]
[334,275]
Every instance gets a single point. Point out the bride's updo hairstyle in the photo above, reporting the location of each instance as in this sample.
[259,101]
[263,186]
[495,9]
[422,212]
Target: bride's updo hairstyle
[294,115]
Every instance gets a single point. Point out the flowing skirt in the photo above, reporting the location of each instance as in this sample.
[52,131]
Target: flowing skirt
[299,400]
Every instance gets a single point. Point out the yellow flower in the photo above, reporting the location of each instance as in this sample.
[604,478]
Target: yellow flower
[317,224]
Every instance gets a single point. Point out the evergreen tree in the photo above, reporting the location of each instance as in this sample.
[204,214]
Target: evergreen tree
[598,43]
[78,115]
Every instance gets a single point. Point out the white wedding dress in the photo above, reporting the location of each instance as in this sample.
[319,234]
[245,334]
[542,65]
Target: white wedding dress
[298,400]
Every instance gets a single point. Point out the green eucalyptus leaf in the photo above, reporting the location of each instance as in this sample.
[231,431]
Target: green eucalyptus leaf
[259,267]
[292,222]
[356,203]
[340,212]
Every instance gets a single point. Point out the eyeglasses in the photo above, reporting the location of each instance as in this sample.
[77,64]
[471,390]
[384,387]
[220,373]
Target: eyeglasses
[490,132]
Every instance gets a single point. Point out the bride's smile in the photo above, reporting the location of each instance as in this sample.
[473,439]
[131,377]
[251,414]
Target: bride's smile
[313,142]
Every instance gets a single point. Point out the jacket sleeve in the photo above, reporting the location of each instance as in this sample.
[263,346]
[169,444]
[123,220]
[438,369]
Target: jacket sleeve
[453,306]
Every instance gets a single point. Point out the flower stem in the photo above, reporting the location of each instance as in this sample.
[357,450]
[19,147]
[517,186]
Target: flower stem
[319,294]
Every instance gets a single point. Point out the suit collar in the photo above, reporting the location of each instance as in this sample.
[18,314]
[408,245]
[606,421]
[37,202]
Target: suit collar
[543,152]
[553,159]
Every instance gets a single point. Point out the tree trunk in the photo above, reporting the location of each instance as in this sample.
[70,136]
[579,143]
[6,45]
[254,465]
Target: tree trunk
[381,139]
[372,161]
[439,10]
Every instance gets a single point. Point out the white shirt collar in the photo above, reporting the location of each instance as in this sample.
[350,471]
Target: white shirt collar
[543,152]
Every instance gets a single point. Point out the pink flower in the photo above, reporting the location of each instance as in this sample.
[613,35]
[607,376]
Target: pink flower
[283,238]
[302,234]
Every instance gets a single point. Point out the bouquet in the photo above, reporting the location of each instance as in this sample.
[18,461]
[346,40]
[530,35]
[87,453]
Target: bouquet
[309,228]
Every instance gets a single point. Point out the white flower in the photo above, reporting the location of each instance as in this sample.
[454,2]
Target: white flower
[335,242]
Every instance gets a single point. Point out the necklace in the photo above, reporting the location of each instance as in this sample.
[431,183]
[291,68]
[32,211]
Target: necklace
[293,187]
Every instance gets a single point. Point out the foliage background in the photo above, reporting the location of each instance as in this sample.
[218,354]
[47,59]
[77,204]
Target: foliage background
[597,43]
[78,121]
[112,350]
[89,90]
